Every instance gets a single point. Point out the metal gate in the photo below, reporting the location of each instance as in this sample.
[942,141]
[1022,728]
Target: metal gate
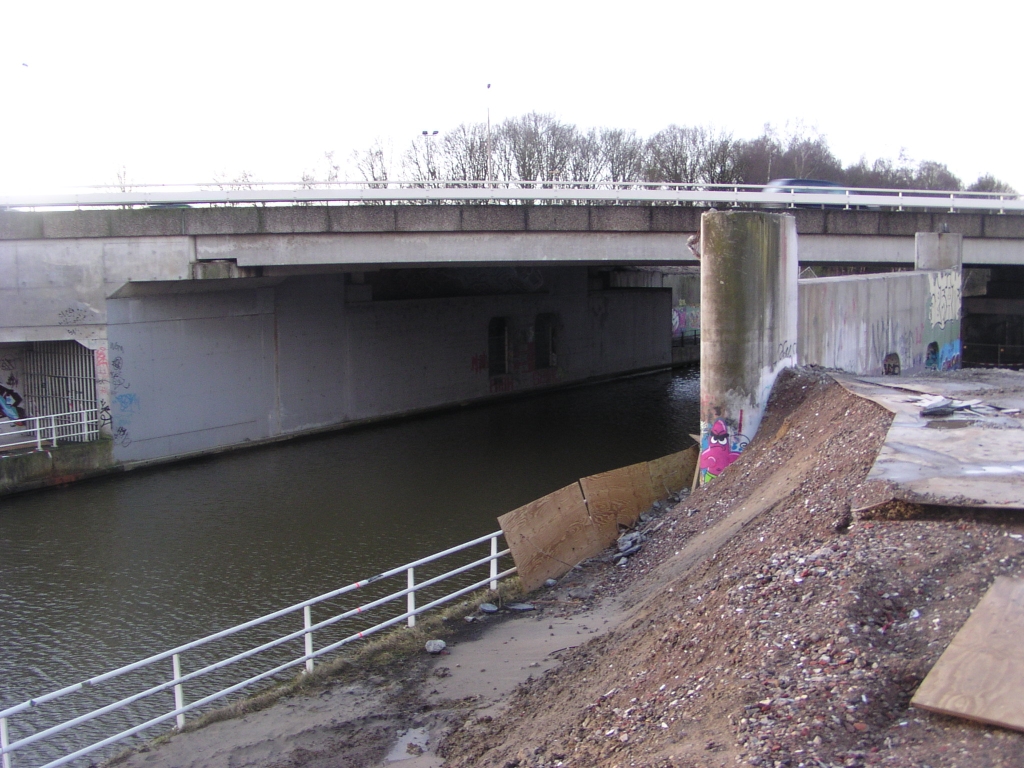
[59,379]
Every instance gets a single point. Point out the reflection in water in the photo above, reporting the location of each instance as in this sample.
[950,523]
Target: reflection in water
[103,573]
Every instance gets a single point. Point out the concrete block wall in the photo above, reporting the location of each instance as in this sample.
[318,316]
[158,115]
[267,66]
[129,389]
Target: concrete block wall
[877,324]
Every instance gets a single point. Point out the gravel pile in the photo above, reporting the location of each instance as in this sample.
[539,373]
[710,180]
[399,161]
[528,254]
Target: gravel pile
[797,642]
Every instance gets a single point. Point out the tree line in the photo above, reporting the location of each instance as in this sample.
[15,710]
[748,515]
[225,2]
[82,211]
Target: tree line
[539,147]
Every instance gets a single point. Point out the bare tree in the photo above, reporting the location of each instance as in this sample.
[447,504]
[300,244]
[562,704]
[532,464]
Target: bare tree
[463,153]
[375,163]
[540,148]
[586,160]
[622,154]
[329,172]
[534,147]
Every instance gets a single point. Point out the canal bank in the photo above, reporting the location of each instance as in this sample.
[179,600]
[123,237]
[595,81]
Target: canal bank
[34,468]
[99,574]
[761,624]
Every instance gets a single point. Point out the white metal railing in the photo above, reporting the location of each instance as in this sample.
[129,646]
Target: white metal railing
[177,681]
[73,426]
[438,191]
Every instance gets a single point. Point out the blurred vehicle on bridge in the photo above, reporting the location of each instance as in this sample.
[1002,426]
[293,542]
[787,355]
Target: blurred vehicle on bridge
[805,187]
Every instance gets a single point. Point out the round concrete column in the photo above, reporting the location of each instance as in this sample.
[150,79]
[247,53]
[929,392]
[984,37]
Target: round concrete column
[748,301]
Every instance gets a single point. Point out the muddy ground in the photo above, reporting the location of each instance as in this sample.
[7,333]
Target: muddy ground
[762,624]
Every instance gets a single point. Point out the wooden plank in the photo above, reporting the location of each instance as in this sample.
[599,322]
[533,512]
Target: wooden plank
[620,494]
[550,535]
[980,675]
[673,472]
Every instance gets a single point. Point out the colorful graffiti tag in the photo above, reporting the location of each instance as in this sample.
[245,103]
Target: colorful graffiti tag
[719,447]
[10,404]
[685,319]
[945,359]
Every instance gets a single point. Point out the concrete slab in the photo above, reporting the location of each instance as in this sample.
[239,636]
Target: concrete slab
[973,457]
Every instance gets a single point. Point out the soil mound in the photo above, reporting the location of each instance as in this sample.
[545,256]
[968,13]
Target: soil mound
[770,628]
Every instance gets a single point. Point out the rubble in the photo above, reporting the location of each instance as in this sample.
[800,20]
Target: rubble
[799,642]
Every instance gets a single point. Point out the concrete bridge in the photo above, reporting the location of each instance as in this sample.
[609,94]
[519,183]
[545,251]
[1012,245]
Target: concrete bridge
[221,325]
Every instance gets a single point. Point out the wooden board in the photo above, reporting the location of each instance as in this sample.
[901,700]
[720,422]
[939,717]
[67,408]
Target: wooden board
[621,494]
[552,534]
[980,675]
[673,472]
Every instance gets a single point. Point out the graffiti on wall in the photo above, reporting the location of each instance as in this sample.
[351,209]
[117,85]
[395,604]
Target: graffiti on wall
[685,319]
[10,399]
[10,404]
[944,297]
[123,404]
[944,358]
[720,446]
[891,364]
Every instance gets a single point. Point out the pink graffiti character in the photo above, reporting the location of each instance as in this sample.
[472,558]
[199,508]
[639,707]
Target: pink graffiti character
[717,455]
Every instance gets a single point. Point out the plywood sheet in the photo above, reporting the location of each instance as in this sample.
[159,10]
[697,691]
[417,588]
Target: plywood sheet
[673,472]
[981,674]
[621,494]
[550,535]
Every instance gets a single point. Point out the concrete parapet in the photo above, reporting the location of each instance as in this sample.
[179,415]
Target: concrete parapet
[620,218]
[1004,226]
[748,326]
[558,218]
[486,218]
[362,218]
[18,225]
[291,219]
[222,221]
[852,222]
[311,219]
[966,224]
[428,218]
[905,224]
[675,218]
[72,224]
[809,221]
[147,223]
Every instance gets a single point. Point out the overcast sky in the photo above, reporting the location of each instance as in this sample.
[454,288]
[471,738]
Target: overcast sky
[183,92]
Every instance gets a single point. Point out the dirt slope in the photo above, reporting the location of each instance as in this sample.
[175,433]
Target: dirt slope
[769,628]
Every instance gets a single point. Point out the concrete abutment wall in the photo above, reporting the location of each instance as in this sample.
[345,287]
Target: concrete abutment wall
[887,323]
[210,370]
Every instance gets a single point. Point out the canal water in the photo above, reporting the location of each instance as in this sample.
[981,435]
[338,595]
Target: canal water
[103,573]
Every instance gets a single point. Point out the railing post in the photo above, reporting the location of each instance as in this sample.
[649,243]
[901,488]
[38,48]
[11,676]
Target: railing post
[307,618]
[53,430]
[39,434]
[411,602]
[179,694]
[494,564]
[5,742]
[85,426]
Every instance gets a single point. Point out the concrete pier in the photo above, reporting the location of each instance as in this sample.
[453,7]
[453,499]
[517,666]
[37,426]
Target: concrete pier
[748,326]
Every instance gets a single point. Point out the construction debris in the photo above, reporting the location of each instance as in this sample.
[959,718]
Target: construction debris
[980,675]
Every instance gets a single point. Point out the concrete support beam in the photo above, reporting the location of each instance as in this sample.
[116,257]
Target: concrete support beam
[748,326]
[934,250]
[437,248]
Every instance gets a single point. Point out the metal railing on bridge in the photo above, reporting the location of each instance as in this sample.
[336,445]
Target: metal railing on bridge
[139,696]
[510,192]
[50,431]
